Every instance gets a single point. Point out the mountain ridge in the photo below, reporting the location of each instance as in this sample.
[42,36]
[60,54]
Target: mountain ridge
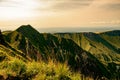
[72,47]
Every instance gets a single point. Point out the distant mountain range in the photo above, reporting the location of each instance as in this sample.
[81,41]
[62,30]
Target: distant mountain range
[77,29]
[95,55]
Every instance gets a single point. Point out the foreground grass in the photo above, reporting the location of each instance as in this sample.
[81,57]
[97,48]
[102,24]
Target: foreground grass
[17,69]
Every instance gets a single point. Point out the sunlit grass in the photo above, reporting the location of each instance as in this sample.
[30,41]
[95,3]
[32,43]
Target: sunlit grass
[37,70]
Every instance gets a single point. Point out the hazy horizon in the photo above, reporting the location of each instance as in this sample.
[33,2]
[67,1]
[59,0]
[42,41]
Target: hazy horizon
[67,29]
[78,29]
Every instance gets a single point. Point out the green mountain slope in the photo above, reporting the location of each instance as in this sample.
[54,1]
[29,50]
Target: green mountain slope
[10,52]
[95,44]
[51,46]
[113,37]
[94,55]
[102,47]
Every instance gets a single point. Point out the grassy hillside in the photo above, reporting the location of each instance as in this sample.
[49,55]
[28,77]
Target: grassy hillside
[96,44]
[113,37]
[102,46]
[88,54]
[62,50]
[16,69]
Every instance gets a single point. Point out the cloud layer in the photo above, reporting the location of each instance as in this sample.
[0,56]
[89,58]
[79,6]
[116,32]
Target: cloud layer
[70,4]
[62,12]
[61,5]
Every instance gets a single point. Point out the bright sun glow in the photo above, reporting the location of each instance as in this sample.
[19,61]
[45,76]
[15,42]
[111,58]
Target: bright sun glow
[13,13]
[22,9]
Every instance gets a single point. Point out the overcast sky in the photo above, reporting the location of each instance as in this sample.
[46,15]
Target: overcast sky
[59,13]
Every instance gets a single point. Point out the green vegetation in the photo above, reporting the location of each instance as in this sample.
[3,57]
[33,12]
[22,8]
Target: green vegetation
[104,46]
[17,69]
[26,54]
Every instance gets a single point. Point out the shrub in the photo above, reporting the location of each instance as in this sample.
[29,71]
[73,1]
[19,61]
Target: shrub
[33,68]
[37,70]
[56,71]
[62,70]
[17,66]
